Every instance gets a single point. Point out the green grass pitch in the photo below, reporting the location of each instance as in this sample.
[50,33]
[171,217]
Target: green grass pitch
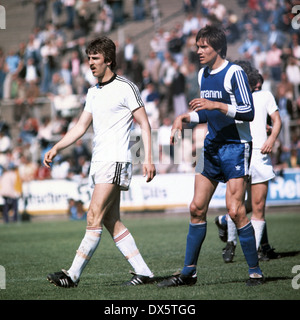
[29,251]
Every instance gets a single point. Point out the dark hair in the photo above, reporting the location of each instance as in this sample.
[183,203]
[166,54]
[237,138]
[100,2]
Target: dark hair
[106,47]
[215,37]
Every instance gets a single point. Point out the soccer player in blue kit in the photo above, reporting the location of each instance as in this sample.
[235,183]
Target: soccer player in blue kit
[226,105]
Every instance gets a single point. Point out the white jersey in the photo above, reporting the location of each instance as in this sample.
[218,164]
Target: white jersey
[264,105]
[111,104]
[261,168]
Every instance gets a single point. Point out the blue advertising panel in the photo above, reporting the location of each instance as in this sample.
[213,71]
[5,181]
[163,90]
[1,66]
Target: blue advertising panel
[284,189]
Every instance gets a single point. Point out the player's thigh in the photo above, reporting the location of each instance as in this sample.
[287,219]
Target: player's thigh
[103,199]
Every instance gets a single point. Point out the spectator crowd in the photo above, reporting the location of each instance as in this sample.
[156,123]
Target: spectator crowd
[51,64]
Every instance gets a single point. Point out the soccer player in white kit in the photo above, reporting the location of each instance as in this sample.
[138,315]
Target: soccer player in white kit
[110,106]
[261,169]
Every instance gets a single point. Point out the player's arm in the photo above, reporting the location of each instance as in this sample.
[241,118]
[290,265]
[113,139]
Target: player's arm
[70,137]
[141,118]
[243,109]
[269,143]
[205,104]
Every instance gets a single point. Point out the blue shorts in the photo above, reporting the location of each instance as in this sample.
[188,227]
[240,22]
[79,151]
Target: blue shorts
[222,162]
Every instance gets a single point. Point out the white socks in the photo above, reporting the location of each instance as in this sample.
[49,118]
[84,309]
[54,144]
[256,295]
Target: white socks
[231,229]
[85,251]
[258,226]
[126,244]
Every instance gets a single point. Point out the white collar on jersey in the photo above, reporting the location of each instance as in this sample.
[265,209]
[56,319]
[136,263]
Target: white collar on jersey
[220,68]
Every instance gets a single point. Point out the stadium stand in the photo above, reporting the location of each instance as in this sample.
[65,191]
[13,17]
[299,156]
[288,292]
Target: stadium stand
[35,113]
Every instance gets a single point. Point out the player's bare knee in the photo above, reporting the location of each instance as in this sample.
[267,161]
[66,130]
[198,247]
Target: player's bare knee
[92,220]
[196,212]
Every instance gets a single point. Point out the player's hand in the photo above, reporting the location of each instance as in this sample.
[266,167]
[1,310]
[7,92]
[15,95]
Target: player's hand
[201,103]
[176,130]
[49,156]
[149,171]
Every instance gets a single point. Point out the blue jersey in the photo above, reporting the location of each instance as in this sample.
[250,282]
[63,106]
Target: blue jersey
[227,84]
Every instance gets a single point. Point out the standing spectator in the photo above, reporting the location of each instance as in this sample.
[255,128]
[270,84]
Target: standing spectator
[136,71]
[129,50]
[175,45]
[286,86]
[77,78]
[295,45]
[118,10]
[104,21]
[285,106]
[40,13]
[70,11]
[57,8]
[190,24]
[159,44]
[65,72]
[139,10]
[192,88]
[276,36]
[152,65]
[293,75]
[2,71]
[49,53]
[11,67]
[11,191]
[5,147]
[273,61]
[178,90]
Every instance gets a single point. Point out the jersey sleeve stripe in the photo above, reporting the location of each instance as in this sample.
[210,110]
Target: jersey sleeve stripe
[244,93]
[134,89]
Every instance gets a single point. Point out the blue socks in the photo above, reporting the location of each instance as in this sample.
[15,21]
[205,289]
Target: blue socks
[247,241]
[195,238]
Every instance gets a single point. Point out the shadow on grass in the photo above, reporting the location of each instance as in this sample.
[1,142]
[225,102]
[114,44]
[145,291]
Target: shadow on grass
[288,254]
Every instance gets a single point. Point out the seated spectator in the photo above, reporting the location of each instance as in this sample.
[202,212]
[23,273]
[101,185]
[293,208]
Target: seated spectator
[76,210]
[29,131]
[64,102]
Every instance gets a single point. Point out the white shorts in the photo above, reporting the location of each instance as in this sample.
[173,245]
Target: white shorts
[261,168]
[118,173]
